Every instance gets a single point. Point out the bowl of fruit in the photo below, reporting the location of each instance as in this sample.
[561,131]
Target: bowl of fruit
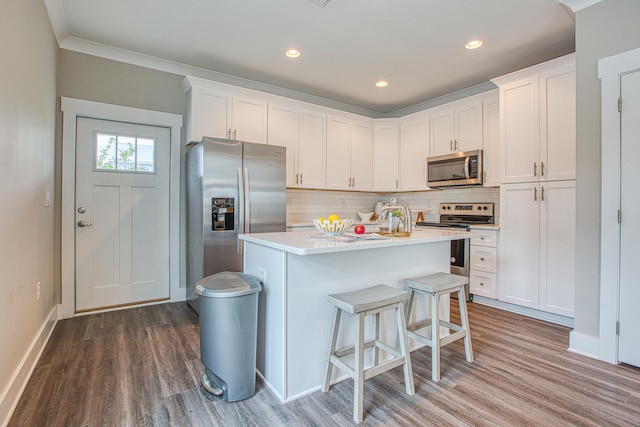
[332,225]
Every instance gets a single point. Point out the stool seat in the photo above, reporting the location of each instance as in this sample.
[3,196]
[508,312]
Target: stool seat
[436,285]
[437,282]
[369,301]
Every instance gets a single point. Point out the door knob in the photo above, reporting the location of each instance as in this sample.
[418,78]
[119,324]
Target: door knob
[84,224]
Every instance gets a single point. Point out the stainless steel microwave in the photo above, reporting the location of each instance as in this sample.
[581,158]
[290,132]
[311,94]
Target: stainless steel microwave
[457,169]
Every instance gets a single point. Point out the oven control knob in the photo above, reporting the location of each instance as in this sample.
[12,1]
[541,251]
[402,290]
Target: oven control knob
[453,260]
[485,208]
[479,208]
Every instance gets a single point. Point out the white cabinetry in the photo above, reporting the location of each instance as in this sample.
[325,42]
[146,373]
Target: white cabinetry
[537,245]
[537,122]
[302,132]
[349,155]
[386,138]
[414,150]
[216,112]
[537,195]
[457,127]
[483,263]
[491,140]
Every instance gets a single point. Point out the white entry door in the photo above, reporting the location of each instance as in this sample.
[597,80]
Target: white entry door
[121,214]
[629,316]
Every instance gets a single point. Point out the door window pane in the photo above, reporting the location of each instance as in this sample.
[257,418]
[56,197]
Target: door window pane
[125,153]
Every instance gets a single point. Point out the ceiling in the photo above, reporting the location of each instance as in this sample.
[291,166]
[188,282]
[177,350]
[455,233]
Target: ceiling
[347,45]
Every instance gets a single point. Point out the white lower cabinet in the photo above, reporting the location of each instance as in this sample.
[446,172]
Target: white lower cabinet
[483,263]
[537,245]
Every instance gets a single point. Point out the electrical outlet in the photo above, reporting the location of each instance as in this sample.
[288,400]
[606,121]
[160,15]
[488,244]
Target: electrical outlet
[38,291]
[262,275]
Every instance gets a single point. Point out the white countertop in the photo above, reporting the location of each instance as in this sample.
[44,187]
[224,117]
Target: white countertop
[485,226]
[311,242]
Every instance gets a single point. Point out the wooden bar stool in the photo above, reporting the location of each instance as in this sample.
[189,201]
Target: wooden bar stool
[369,301]
[436,285]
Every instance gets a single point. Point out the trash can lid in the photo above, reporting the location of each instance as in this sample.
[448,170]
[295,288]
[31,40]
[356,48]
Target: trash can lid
[228,284]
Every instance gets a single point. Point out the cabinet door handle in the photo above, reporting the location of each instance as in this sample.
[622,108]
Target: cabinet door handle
[229,133]
[481,284]
[300,179]
[481,259]
[542,194]
[451,145]
[535,194]
[541,168]
[456,144]
[297,178]
[535,169]
[235,134]
[396,183]
[353,182]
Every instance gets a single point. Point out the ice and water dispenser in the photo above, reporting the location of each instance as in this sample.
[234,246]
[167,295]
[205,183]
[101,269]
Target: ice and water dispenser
[222,213]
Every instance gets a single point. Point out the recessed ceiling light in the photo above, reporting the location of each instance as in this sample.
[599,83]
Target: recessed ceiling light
[382,83]
[473,44]
[292,53]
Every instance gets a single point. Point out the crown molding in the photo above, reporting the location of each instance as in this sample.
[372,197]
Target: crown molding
[58,20]
[577,5]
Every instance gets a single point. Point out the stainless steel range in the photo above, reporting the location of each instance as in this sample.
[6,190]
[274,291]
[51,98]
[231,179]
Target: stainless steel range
[461,216]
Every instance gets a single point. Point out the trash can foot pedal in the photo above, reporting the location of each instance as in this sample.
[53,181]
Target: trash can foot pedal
[209,389]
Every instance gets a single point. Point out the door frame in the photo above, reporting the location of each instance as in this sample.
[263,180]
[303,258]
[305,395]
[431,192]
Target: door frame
[72,109]
[605,347]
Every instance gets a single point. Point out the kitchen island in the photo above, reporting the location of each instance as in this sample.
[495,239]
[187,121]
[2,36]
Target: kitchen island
[299,269]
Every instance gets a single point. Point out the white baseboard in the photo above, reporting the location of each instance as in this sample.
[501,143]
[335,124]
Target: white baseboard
[525,311]
[11,396]
[584,344]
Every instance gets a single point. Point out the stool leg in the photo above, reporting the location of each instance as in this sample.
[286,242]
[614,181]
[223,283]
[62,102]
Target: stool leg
[335,324]
[404,349]
[358,381]
[435,336]
[376,337]
[464,318]
[409,306]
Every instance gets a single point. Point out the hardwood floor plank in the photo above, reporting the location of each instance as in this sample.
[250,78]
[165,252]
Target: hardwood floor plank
[141,367]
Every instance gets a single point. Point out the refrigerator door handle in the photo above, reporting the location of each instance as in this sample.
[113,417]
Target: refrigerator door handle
[247,201]
[241,207]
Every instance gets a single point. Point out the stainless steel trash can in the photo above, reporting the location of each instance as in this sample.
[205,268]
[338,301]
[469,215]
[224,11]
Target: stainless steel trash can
[228,334]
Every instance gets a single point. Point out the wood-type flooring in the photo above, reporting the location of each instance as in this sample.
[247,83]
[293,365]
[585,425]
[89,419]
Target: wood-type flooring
[141,367]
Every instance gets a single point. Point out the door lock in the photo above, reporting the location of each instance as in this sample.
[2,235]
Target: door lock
[84,224]
[81,210]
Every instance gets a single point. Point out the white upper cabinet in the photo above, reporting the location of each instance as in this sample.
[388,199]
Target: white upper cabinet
[312,150]
[386,139]
[302,132]
[283,130]
[537,122]
[414,150]
[491,139]
[455,128]
[218,113]
[349,154]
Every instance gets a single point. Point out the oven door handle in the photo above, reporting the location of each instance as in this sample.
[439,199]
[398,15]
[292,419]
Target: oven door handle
[467,162]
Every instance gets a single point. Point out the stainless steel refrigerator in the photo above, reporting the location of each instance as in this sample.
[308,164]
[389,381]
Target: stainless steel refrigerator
[233,187]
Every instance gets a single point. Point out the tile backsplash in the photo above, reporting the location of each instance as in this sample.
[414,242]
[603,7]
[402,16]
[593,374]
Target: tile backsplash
[304,205]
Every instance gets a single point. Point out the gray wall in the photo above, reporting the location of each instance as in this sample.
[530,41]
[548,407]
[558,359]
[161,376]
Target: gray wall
[27,118]
[95,79]
[602,30]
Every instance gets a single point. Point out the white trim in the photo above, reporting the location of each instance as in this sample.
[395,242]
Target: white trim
[11,396]
[73,108]
[577,5]
[525,311]
[609,71]
[584,345]
[58,19]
